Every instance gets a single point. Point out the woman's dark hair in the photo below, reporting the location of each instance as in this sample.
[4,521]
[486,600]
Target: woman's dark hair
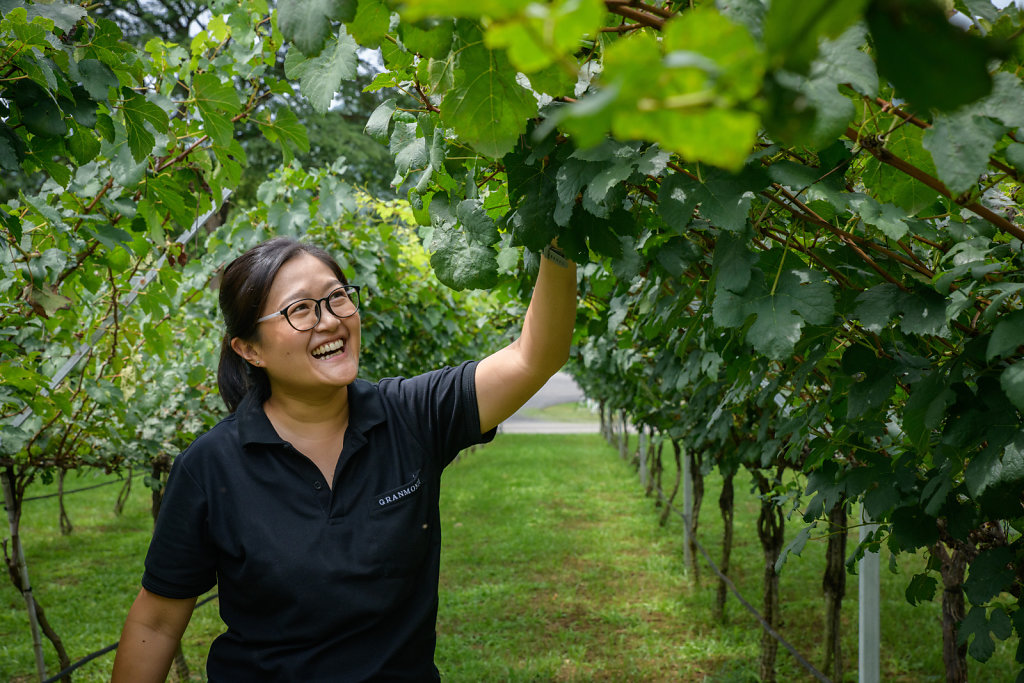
[244,287]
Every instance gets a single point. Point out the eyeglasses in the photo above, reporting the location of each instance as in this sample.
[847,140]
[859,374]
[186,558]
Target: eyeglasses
[304,314]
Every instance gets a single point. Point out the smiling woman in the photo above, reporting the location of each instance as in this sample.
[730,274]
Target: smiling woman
[314,506]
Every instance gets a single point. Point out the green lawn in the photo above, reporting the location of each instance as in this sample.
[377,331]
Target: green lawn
[563,412]
[554,569]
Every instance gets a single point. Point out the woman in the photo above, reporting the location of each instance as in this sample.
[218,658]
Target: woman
[314,506]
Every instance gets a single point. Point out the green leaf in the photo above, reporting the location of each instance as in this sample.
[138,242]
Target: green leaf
[409,149]
[64,16]
[308,23]
[336,199]
[795,547]
[371,23]
[460,263]
[912,529]
[931,63]
[924,312]
[710,64]
[284,128]
[960,144]
[380,121]
[876,306]
[926,408]
[975,628]
[1012,382]
[873,381]
[570,179]
[97,78]
[39,113]
[110,237]
[799,297]
[888,218]
[320,76]
[1007,336]
[535,200]
[793,28]
[991,573]
[889,185]
[217,103]
[1006,102]
[494,9]
[725,198]
[921,589]
[430,38]
[478,226]
[733,263]
[487,108]
[545,34]
[47,300]
[139,116]
[841,62]
[1015,155]
[554,81]
[675,202]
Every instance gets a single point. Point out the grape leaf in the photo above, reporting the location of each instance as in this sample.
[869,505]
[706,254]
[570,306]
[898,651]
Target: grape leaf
[1007,335]
[930,62]
[308,23]
[320,76]
[487,107]
[217,103]
[371,23]
[960,144]
[97,78]
[793,28]
[921,589]
[991,573]
[675,202]
[460,262]
[1012,382]
[139,115]
[800,296]
[546,34]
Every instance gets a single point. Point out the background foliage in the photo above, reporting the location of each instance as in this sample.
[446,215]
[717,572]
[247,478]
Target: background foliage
[798,222]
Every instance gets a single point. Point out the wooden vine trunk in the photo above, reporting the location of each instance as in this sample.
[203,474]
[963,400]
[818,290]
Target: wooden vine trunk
[122,496]
[833,584]
[771,526]
[697,492]
[65,522]
[952,568]
[677,451]
[726,504]
[17,570]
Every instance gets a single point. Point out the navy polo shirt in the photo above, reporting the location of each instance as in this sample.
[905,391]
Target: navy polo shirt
[315,583]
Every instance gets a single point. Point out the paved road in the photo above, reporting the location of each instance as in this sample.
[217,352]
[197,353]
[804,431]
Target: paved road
[559,389]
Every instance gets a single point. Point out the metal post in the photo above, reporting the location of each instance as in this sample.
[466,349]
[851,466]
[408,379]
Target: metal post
[869,640]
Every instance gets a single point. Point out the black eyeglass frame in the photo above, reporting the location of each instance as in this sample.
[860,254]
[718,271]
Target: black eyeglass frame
[326,301]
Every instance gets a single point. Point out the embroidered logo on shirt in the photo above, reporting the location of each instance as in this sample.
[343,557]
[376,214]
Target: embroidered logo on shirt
[395,496]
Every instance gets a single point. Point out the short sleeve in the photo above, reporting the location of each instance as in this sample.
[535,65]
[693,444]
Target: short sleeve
[443,403]
[181,560]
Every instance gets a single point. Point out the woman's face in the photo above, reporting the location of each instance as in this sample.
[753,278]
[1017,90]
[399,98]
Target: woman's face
[324,357]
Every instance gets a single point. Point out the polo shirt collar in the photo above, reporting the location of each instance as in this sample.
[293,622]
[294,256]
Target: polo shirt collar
[366,410]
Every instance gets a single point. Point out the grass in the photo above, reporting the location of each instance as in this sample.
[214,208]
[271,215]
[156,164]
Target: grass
[562,412]
[554,569]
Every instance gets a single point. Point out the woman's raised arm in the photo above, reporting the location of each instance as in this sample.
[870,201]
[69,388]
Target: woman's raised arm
[507,378]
